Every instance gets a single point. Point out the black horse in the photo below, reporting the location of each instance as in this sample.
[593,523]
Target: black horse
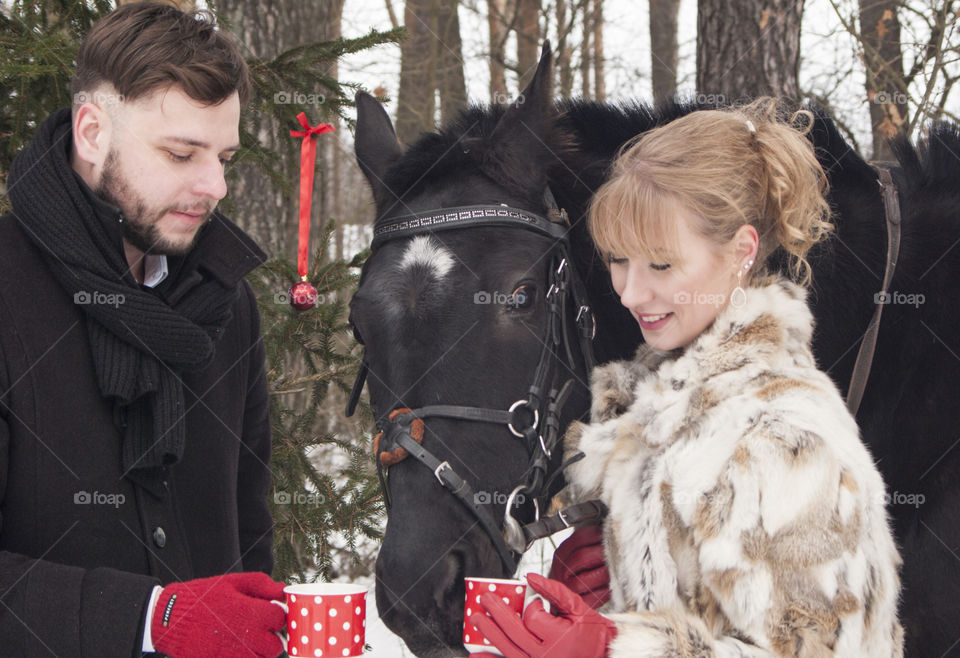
[435,312]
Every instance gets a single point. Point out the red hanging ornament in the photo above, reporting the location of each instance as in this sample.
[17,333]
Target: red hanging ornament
[303,295]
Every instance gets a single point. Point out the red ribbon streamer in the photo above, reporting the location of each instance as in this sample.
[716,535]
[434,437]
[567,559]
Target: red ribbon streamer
[308,157]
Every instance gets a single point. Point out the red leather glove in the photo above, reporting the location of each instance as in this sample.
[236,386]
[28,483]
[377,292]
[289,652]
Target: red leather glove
[578,632]
[579,564]
[227,615]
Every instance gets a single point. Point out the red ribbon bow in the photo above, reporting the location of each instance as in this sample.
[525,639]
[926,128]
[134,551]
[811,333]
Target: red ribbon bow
[308,156]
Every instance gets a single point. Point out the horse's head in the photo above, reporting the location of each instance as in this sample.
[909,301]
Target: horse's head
[460,313]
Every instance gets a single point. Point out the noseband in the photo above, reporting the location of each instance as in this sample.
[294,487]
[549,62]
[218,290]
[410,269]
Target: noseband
[534,419]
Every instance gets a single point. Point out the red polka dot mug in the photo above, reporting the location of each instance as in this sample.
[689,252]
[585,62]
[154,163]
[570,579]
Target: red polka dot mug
[325,619]
[514,594]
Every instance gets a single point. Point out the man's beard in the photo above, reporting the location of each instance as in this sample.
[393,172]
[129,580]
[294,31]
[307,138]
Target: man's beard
[140,224]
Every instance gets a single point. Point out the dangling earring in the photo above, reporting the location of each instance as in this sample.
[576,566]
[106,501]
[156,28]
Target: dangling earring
[739,296]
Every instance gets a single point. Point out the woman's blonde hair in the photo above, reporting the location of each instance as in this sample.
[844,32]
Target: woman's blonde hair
[743,165]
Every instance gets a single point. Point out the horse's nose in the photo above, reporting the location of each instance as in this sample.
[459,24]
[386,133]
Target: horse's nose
[423,606]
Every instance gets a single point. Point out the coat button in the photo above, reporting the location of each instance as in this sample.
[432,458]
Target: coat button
[159,537]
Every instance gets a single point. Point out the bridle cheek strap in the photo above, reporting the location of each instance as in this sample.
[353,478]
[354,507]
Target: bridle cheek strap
[398,454]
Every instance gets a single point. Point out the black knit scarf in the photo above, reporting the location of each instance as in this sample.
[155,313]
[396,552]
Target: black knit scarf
[142,345]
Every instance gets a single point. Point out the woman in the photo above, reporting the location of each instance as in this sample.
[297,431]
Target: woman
[746,515]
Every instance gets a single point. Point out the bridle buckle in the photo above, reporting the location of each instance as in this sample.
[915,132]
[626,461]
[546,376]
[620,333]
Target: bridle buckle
[444,465]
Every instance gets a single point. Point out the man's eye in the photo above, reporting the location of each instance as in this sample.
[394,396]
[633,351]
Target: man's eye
[660,266]
[176,157]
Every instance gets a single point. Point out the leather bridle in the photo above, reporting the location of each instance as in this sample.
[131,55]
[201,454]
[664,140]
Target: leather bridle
[535,418]
[893,221]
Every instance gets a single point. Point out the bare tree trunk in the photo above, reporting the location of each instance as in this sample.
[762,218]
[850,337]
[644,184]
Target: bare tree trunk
[528,39]
[416,98]
[748,48]
[562,59]
[267,29]
[599,84]
[880,35]
[585,52]
[450,80]
[663,47]
[430,61]
[497,24]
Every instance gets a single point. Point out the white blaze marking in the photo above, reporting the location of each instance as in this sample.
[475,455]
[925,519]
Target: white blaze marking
[423,251]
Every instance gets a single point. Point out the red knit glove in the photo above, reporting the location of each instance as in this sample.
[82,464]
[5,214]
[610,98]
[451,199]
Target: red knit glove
[578,632]
[578,563]
[222,616]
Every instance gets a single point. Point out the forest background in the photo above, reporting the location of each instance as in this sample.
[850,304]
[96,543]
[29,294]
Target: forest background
[883,68]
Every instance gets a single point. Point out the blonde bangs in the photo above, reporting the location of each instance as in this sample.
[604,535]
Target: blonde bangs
[630,214]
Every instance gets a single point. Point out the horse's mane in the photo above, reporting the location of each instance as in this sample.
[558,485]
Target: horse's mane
[598,130]
[934,164]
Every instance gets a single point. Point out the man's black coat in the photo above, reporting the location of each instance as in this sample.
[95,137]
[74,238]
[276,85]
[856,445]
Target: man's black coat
[81,546]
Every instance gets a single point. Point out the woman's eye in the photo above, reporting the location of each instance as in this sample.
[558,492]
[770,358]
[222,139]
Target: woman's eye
[660,266]
[616,261]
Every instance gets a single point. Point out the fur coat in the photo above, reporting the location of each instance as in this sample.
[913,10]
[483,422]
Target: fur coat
[746,517]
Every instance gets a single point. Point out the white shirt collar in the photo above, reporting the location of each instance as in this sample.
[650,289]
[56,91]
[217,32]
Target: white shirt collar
[154,269]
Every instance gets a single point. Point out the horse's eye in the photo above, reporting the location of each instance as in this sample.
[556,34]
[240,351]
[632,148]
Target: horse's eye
[522,297]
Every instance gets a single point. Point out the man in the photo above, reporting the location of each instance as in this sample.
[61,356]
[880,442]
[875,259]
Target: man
[134,428]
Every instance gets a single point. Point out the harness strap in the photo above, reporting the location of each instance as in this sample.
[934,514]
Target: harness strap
[456,485]
[463,217]
[861,367]
[591,511]
[357,386]
[478,414]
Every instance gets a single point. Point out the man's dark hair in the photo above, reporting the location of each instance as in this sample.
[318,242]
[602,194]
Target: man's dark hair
[145,46]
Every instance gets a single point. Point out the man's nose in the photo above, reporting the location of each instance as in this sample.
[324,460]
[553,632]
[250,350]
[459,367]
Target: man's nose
[211,181]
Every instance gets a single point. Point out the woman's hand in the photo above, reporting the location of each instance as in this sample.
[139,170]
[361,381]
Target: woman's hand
[579,564]
[577,631]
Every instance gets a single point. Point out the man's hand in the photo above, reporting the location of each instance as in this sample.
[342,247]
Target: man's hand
[579,564]
[578,632]
[230,615]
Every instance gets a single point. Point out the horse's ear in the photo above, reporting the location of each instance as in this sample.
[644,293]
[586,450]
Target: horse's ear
[518,143]
[375,142]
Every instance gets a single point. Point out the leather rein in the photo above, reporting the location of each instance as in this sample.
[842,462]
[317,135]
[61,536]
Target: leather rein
[535,418]
[861,367]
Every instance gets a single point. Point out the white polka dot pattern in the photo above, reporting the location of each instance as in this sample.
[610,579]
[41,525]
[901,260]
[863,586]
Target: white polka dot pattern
[318,635]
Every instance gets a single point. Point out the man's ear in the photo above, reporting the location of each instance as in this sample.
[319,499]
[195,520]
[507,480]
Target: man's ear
[92,126]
